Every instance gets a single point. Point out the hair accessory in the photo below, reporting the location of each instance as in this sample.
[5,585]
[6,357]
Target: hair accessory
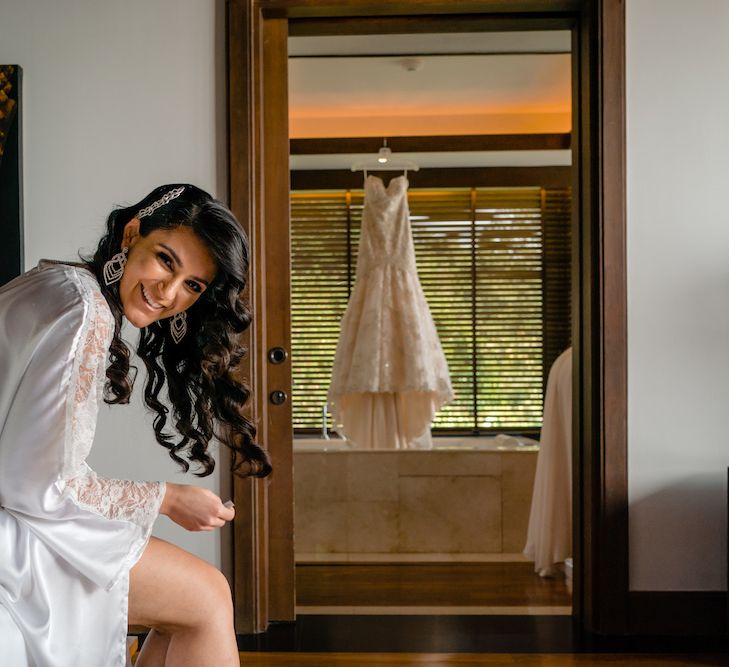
[164,199]
[114,268]
[178,326]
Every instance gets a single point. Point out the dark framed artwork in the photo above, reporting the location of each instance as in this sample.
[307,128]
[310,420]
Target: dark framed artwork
[11,185]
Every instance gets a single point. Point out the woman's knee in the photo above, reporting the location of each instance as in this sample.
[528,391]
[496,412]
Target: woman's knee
[170,589]
[215,598]
[212,601]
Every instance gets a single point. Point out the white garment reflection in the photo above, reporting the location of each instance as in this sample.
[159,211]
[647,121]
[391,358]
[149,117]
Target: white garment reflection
[549,537]
[390,375]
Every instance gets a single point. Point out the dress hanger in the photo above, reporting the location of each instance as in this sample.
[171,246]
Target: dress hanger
[385,162]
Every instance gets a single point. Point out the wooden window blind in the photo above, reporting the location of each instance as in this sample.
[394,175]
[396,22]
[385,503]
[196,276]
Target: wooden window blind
[494,266]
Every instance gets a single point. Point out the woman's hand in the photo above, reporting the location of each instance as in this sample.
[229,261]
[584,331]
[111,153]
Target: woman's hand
[195,508]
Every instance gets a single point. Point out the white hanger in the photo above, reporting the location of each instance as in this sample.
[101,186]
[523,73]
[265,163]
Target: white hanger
[385,162]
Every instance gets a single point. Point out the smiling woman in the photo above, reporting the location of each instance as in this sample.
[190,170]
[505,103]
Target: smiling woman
[164,273]
[174,265]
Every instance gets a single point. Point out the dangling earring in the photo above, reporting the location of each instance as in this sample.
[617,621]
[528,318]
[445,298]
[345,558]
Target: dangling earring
[114,268]
[178,326]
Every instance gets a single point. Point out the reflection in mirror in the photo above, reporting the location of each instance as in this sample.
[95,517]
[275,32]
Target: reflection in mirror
[428,307]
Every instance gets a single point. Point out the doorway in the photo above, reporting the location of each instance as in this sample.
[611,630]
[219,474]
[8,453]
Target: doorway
[483,120]
[265,540]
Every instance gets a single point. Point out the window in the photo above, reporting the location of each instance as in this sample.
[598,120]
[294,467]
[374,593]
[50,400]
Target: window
[494,266]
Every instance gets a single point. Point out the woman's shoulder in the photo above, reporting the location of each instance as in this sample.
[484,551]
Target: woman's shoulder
[54,288]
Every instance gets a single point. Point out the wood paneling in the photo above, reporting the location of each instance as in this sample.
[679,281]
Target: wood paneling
[249,528]
[277,280]
[476,659]
[432,144]
[429,584]
[484,177]
[612,570]
[579,158]
[405,8]
[599,334]
[395,25]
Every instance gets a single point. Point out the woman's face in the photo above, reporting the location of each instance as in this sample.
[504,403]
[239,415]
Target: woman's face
[166,272]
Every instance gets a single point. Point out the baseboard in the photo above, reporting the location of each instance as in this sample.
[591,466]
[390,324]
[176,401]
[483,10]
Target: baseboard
[678,613]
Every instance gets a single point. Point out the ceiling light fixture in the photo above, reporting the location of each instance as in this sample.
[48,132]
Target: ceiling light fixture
[384,154]
[412,64]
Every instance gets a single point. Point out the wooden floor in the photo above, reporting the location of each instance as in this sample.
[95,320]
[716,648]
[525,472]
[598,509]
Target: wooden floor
[428,584]
[474,660]
[458,641]
[402,640]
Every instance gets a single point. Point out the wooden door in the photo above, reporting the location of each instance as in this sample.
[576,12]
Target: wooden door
[257,32]
[263,544]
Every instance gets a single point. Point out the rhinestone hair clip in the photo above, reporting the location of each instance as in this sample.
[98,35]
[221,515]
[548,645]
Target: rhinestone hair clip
[165,199]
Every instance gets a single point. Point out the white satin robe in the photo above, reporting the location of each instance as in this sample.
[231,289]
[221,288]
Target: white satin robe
[68,538]
[549,535]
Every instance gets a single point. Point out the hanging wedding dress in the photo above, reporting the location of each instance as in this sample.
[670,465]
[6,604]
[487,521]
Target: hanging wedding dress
[68,538]
[390,375]
[549,536]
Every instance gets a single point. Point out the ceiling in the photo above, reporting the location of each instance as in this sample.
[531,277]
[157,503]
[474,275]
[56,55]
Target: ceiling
[430,84]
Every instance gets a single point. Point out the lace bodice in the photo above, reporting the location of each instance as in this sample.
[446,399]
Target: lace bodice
[386,239]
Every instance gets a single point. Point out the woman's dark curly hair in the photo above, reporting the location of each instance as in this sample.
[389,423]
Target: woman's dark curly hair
[199,371]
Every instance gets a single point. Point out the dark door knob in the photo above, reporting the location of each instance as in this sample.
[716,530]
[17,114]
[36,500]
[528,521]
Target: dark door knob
[278,397]
[277,355]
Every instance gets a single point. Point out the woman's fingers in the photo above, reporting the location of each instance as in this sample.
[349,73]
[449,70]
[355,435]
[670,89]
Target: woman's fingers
[228,514]
[228,511]
[202,509]
[223,517]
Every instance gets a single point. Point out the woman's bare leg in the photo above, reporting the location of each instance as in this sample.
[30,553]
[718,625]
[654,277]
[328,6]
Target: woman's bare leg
[154,650]
[187,600]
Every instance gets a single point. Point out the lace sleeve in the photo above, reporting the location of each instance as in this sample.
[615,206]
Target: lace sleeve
[86,370]
[138,502]
[117,499]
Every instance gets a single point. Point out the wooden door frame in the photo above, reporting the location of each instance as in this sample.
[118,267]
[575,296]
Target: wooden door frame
[258,145]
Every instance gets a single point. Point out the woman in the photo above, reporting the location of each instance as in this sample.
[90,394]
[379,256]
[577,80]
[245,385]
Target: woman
[77,562]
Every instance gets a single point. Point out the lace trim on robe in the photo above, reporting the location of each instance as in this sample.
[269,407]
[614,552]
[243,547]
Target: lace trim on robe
[115,499]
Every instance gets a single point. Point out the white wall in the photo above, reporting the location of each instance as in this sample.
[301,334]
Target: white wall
[121,96]
[678,292]
[118,97]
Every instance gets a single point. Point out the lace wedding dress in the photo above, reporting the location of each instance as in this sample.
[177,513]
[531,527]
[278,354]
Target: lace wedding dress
[68,537]
[390,375]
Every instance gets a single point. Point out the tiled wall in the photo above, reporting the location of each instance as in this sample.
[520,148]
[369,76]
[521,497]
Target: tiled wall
[469,502]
